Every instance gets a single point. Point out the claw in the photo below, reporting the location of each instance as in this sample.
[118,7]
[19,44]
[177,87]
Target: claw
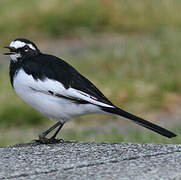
[44,140]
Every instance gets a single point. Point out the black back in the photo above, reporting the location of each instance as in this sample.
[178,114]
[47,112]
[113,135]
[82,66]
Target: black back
[43,65]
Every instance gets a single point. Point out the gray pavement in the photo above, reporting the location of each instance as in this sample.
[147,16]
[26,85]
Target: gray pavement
[89,160]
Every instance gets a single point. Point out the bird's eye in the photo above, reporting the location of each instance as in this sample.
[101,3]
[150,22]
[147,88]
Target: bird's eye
[26,48]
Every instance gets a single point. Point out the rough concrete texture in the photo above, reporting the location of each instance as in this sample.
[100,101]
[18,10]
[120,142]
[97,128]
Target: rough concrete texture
[89,160]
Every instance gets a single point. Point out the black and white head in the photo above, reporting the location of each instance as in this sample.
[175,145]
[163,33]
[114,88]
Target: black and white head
[21,48]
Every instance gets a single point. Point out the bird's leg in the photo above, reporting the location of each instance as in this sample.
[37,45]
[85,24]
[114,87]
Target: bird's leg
[44,140]
[57,131]
[45,133]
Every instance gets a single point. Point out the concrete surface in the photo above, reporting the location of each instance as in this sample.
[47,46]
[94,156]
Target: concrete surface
[89,160]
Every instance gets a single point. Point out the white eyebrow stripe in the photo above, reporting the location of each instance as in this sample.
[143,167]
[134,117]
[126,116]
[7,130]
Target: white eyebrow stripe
[19,44]
[31,46]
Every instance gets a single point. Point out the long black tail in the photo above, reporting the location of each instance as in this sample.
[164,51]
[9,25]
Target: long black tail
[139,121]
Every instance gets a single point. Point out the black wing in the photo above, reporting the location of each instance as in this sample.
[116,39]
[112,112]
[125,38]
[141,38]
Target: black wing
[57,69]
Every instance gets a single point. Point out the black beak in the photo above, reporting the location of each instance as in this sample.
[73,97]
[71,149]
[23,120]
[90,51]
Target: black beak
[12,50]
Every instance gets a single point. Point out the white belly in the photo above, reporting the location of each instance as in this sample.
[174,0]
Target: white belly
[49,105]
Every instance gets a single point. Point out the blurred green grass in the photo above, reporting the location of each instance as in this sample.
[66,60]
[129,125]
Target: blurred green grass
[140,71]
[40,19]
[133,134]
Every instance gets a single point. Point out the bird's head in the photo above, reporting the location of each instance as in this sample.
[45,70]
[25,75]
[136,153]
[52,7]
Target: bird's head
[21,48]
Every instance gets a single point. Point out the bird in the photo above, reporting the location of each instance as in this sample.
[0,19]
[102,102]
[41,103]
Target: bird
[58,91]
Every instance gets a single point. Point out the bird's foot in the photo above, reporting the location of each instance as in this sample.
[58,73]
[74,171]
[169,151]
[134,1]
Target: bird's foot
[44,140]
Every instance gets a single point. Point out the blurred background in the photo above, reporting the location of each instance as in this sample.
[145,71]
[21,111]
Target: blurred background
[129,49]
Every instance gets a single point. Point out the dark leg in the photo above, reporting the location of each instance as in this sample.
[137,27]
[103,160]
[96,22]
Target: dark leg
[45,133]
[57,131]
[44,140]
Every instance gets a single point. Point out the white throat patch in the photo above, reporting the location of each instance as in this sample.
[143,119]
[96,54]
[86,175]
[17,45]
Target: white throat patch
[14,57]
